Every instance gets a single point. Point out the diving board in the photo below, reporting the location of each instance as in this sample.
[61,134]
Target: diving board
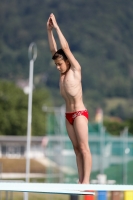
[49,188]
[58,188]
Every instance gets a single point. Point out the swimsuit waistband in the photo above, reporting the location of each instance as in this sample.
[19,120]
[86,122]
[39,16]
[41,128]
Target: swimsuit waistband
[76,111]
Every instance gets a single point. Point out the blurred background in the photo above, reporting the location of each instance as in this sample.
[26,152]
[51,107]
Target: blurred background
[100,36]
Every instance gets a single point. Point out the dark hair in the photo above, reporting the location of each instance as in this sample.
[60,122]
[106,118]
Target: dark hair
[59,54]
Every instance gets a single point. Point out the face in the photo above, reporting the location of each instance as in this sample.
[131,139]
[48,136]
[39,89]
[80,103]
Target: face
[62,65]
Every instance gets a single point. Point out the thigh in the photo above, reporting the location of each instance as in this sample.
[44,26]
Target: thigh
[81,130]
[71,133]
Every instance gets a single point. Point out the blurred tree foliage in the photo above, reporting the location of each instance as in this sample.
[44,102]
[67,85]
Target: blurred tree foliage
[129,124]
[100,38]
[116,127]
[13,110]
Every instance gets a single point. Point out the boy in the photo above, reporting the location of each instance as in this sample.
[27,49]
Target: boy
[71,91]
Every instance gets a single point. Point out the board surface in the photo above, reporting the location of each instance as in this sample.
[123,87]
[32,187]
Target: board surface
[44,188]
[58,188]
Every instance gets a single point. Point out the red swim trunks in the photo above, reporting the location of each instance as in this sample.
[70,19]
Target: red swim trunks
[71,116]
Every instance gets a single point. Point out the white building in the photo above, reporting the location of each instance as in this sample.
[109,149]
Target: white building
[15,146]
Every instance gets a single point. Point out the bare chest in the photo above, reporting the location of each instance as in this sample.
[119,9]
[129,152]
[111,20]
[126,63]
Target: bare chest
[69,85]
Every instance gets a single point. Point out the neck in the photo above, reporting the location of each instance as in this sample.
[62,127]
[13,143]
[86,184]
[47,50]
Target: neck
[65,71]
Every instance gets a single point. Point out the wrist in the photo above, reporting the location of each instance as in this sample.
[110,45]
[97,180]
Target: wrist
[57,28]
[49,29]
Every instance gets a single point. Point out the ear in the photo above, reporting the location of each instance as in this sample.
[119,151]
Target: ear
[67,62]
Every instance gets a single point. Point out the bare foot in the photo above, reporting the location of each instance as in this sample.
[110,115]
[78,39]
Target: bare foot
[79,182]
[85,182]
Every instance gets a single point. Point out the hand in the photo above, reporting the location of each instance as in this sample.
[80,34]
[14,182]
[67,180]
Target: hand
[53,21]
[49,24]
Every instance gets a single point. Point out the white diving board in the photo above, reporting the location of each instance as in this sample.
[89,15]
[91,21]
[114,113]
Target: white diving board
[50,188]
[58,188]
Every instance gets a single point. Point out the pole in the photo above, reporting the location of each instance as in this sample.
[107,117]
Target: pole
[62,131]
[102,144]
[126,151]
[32,56]
[29,121]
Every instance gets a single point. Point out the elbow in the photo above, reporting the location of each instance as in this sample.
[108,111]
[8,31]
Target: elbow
[53,52]
[65,47]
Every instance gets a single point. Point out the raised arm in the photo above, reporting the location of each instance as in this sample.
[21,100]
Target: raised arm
[52,43]
[64,45]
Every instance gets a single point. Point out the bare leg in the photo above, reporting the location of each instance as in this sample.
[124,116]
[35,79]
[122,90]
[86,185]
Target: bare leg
[79,160]
[81,130]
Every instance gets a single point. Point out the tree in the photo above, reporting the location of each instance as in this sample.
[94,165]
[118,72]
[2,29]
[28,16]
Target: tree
[129,123]
[114,127]
[41,97]
[13,110]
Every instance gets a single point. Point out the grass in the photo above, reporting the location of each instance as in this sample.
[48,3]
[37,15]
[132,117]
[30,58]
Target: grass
[114,102]
[35,196]
[18,165]
[115,172]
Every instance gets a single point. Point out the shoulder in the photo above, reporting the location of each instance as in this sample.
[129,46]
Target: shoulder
[76,73]
[76,68]
[73,61]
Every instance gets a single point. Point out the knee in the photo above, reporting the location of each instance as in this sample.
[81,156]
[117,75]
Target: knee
[81,149]
[84,149]
[77,150]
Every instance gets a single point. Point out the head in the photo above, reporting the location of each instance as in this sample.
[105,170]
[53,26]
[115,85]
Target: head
[61,61]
